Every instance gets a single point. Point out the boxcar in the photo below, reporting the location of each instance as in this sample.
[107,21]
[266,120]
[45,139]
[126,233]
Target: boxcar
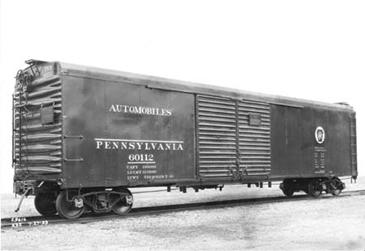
[82,136]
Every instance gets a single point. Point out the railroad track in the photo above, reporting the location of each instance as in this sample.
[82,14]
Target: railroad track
[21,222]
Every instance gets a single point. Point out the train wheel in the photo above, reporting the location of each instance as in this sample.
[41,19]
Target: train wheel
[337,186]
[336,192]
[314,189]
[45,203]
[288,191]
[287,188]
[67,209]
[124,202]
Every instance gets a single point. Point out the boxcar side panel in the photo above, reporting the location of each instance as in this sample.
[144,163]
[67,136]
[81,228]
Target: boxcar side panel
[286,141]
[125,134]
[310,142]
[339,147]
[331,154]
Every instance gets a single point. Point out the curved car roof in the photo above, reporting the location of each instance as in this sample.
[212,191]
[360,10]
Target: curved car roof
[191,87]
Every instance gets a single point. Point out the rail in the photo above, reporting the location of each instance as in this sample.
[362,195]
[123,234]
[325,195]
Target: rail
[21,222]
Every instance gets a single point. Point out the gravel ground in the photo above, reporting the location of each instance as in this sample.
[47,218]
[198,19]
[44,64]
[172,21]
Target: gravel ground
[325,224]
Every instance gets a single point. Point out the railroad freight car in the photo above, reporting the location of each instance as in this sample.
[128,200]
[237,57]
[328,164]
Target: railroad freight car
[82,136]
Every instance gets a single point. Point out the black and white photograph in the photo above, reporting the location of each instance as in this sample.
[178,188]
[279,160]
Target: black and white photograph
[182,125]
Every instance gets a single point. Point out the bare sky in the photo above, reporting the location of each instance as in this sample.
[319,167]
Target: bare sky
[305,49]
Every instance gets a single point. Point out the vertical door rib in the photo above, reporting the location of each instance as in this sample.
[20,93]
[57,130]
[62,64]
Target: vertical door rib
[254,137]
[217,151]
[234,139]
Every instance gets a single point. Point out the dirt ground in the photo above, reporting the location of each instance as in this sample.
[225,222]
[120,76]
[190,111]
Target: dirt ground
[317,224]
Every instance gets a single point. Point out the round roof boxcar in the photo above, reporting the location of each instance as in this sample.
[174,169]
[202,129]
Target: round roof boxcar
[85,128]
